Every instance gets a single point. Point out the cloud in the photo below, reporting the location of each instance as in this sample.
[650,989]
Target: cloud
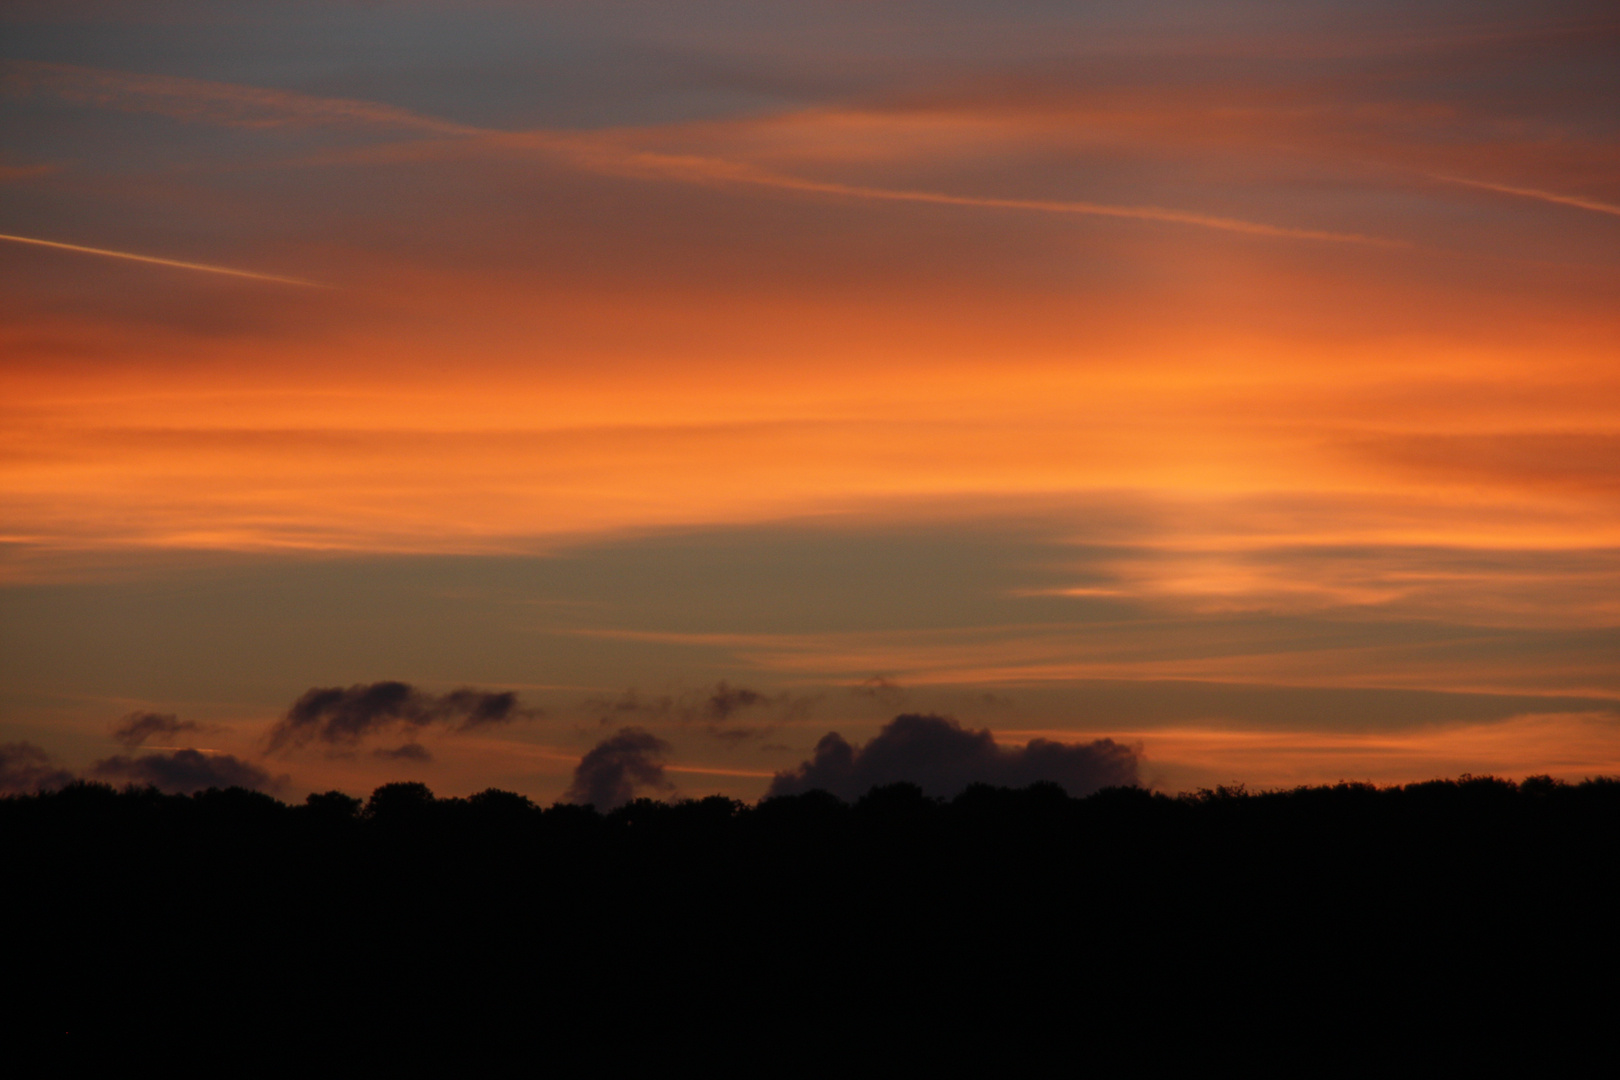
[185,771]
[710,708]
[343,717]
[199,100]
[1584,463]
[726,699]
[26,172]
[943,758]
[619,767]
[25,768]
[880,688]
[137,727]
[409,752]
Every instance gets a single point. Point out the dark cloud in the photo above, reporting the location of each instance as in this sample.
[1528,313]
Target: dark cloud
[726,699]
[619,768]
[942,757]
[344,717]
[632,704]
[734,734]
[475,708]
[720,703]
[185,771]
[137,727]
[879,688]
[25,768]
[712,708]
[409,752]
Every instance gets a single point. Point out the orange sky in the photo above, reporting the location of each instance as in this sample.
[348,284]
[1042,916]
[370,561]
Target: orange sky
[1302,321]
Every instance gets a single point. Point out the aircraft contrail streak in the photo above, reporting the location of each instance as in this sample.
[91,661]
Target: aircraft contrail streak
[193,99]
[1533,193]
[1050,206]
[719,170]
[204,267]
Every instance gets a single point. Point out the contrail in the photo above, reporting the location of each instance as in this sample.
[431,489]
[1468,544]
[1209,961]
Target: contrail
[712,170]
[224,103]
[204,267]
[1053,206]
[1533,193]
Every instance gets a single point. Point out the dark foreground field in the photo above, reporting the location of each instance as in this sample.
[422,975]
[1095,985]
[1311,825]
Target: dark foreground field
[1469,920]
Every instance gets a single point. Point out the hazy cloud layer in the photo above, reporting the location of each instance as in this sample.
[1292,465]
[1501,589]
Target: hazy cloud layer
[134,729]
[620,768]
[184,772]
[25,768]
[942,757]
[344,717]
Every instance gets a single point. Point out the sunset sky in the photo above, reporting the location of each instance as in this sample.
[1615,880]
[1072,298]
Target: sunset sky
[1236,381]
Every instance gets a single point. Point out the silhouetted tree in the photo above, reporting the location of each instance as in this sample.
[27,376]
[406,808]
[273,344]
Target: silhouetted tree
[407,802]
[1343,908]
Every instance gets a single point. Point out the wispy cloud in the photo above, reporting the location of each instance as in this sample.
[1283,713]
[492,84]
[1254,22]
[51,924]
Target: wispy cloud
[716,709]
[203,101]
[137,728]
[26,172]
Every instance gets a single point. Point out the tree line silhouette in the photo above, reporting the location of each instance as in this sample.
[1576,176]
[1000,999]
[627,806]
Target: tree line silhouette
[1460,911]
